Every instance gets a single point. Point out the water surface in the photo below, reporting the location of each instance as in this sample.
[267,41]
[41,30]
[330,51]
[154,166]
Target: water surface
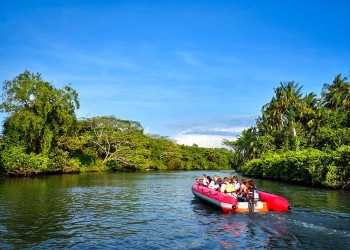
[156,210]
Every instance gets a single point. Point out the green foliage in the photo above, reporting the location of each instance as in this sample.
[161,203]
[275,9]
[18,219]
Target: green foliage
[120,143]
[62,162]
[299,139]
[339,173]
[16,161]
[40,116]
[286,141]
[308,166]
[42,135]
[336,95]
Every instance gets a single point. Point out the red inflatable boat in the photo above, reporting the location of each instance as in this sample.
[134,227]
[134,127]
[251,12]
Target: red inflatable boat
[263,202]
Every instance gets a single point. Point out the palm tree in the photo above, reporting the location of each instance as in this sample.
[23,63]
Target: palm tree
[281,113]
[308,108]
[245,145]
[281,110]
[336,96]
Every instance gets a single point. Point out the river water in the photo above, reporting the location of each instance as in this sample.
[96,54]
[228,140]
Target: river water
[157,210]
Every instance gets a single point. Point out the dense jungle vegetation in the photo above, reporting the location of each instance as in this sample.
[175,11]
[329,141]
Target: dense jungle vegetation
[41,134]
[300,138]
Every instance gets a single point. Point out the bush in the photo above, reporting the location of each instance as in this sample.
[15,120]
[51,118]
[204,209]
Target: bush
[339,171]
[310,166]
[16,161]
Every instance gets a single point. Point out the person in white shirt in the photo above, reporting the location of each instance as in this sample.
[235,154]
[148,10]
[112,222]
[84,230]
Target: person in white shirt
[223,185]
[204,180]
[213,184]
[236,183]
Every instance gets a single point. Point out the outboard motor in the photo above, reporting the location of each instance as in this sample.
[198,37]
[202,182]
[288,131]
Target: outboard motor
[253,199]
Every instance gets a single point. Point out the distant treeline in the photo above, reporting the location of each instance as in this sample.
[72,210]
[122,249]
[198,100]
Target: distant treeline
[300,138]
[41,134]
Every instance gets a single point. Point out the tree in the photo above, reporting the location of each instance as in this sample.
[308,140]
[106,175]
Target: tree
[281,112]
[119,143]
[282,125]
[40,116]
[245,145]
[336,96]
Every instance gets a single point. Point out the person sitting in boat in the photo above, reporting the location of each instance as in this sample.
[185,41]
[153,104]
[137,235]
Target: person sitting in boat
[223,185]
[242,194]
[213,184]
[251,190]
[218,184]
[236,184]
[243,185]
[209,180]
[230,188]
[203,180]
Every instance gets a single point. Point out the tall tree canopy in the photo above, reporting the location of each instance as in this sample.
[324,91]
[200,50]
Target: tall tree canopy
[116,141]
[42,134]
[39,115]
[337,95]
[307,136]
[280,111]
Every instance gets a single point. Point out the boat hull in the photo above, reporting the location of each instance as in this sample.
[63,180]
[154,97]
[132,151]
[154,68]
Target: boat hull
[229,204]
[274,202]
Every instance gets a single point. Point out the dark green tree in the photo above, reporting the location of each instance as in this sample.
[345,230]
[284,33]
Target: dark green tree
[280,114]
[39,120]
[336,96]
[40,116]
[119,143]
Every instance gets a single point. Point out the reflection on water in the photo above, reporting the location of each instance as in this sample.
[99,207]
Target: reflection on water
[157,210]
[246,230]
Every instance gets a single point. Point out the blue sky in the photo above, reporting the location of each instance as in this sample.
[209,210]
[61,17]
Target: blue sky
[196,71]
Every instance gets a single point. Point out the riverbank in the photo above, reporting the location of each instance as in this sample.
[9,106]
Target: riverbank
[310,167]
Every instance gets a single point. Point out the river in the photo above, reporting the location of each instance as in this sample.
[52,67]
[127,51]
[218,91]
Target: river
[157,210]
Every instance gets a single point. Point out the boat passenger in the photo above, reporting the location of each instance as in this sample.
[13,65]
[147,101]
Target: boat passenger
[230,189]
[204,180]
[223,185]
[236,183]
[242,194]
[251,190]
[209,180]
[218,184]
[243,185]
[213,183]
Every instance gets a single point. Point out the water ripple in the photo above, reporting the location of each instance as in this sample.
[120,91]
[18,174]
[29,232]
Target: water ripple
[157,211]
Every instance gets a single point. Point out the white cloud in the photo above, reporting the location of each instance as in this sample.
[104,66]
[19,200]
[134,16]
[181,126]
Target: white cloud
[209,138]
[236,129]
[207,141]
[206,134]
